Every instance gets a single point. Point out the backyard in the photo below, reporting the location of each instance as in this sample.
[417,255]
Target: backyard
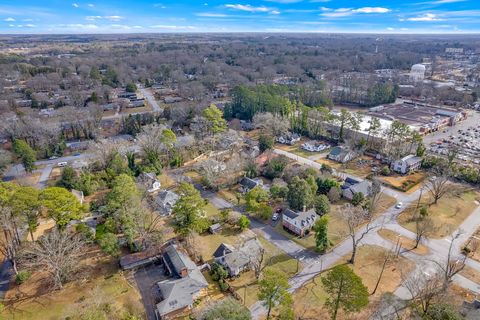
[99,282]
[406,183]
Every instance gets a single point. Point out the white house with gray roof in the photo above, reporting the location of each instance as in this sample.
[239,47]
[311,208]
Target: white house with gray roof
[165,201]
[407,164]
[351,187]
[237,260]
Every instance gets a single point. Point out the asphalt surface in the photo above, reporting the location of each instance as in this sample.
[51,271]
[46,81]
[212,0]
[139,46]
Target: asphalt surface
[424,264]
[151,99]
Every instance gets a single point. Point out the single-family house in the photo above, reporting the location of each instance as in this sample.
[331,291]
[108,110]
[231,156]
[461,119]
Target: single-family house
[315,146]
[289,138]
[247,184]
[185,285]
[299,222]
[236,260]
[406,164]
[149,181]
[352,186]
[341,154]
[165,201]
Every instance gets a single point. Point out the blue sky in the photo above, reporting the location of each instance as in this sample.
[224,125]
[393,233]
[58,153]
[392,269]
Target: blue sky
[122,16]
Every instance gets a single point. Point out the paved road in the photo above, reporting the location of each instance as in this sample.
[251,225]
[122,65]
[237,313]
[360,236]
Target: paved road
[151,99]
[425,264]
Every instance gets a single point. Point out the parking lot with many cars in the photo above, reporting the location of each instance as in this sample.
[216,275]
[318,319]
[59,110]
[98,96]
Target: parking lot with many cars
[465,142]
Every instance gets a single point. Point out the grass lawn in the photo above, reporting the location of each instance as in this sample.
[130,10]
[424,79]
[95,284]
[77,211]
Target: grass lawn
[447,214]
[229,195]
[194,175]
[309,299]
[246,286]
[211,210]
[306,154]
[166,181]
[403,242]
[99,279]
[404,182]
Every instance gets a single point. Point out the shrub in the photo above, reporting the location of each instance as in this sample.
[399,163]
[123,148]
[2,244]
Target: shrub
[22,276]
[385,171]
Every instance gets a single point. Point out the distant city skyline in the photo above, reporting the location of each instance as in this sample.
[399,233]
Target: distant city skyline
[324,16]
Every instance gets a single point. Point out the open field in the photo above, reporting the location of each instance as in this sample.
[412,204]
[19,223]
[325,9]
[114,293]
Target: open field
[99,283]
[447,214]
[309,299]
[403,242]
[297,148]
[246,286]
[406,183]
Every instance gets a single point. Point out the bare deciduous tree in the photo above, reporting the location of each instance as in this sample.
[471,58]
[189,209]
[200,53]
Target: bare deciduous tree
[424,289]
[359,224]
[57,253]
[275,125]
[438,186]
[423,228]
[453,263]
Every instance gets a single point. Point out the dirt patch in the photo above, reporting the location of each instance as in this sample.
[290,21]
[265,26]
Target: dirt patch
[409,182]
[403,242]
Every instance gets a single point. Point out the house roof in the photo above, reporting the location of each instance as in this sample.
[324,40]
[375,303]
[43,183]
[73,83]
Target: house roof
[411,159]
[222,250]
[238,257]
[362,187]
[303,217]
[336,151]
[178,294]
[249,183]
[177,260]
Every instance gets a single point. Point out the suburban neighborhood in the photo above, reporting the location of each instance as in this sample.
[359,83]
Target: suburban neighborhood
[134,189]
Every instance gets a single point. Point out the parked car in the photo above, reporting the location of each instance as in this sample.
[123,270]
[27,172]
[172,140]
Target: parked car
[62,164]
[76,154]
[53,158]
[399,205]
[275,217]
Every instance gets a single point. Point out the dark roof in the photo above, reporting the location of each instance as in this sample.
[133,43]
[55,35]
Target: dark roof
[248,183]
[290,213]
[174,260]
[222,250]
[336,151]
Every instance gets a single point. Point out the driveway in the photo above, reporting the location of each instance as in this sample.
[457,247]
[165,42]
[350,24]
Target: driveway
[146,279]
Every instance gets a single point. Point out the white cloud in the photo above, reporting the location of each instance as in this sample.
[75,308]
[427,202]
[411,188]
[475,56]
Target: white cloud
[11,25]
[75,5]
[111,18]
[275,12]
[426,17]
[9,19]
[91,5]
[345,12]
[247,7]
[211,15]
[372,10]
[390,29]
[29,25]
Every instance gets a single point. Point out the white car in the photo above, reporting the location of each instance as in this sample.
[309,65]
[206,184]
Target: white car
[399,205]
[275,217]
[62,164]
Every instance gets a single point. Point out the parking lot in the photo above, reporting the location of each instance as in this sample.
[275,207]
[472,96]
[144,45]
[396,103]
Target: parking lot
[466,142]
[146,279]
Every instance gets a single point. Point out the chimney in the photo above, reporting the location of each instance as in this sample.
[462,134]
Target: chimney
[183,272]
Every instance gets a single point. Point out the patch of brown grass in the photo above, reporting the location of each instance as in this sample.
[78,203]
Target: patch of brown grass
[405,243]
